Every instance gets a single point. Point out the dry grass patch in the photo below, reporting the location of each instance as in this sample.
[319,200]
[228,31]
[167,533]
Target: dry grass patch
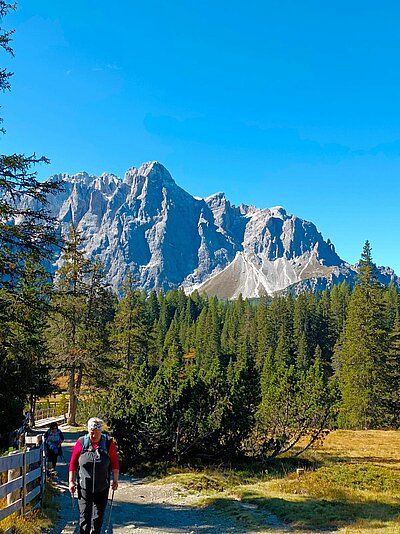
[206,480]
[36,521]
[351,485]
[380,447]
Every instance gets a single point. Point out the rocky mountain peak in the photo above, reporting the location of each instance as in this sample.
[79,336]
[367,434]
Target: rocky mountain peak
[278,211]
[80,178]
[156,172]
[107,184]
[151,178]
[167,238]
[216,199]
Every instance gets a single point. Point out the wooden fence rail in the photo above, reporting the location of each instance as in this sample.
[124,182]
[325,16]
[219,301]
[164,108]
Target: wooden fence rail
[54,411]
[26,477]
[45,413]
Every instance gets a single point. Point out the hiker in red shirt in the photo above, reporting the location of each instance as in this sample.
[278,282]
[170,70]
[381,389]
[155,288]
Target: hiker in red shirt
[96,457]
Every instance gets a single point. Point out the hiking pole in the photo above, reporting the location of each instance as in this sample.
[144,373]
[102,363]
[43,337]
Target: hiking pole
[73,511]
[109,513]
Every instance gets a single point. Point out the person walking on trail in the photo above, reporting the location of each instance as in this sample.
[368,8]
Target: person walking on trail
[95,457]
[53,439]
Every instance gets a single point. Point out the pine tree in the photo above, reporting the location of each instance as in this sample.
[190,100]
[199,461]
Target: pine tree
[126,406]
[392,305]
[77,327]
[165,407]
[24,359]
[391,379]
[31,308]
[130,328]
[25,228]
[362,351]
[100,307]
[294,405]
[27,236]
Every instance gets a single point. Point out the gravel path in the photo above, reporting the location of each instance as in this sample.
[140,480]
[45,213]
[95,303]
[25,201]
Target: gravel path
[144,508]
[150,508]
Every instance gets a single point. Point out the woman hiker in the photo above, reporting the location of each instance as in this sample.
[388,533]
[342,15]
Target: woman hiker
[95,455]
[53,439]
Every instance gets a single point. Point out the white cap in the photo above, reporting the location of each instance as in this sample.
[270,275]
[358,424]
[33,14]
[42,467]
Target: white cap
[95,424]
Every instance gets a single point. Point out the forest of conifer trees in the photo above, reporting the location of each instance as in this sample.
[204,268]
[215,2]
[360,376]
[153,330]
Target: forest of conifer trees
[181,376]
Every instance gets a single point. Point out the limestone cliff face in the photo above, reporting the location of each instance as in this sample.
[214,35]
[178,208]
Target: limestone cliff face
[147,224]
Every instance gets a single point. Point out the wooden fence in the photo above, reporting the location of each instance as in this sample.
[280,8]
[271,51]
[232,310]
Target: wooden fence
[51,409]
[26,477]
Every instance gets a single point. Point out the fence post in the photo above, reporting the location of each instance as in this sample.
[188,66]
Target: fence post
[44,469]
[23,492]
[21,440]
[11,474]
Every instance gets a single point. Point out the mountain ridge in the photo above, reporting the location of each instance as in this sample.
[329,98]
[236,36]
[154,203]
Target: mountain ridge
[146,224]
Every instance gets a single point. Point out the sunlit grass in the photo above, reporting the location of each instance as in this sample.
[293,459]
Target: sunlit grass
[380,447]
[350,485]
[35,521]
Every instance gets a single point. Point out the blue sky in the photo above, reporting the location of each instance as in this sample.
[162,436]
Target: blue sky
[291,103]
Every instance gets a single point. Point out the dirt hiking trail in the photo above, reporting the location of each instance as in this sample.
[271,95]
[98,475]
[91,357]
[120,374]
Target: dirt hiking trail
[140,507]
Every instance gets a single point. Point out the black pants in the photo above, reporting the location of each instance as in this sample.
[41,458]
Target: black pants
[52,457]
[91,510]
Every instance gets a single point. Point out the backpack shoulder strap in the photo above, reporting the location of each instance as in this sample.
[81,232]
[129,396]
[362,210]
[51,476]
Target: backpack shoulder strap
[105,442]
[85,442]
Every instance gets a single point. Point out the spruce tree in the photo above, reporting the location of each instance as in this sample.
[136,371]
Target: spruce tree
[24,359]
[263,340]
[391,379]
[339,298]
[27,237]
[361,353]
[25,227]
[392,305]
[130,329]
[77,327]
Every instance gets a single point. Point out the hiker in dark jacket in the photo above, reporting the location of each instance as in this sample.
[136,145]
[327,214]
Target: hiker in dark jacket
[95,456]
[53,439]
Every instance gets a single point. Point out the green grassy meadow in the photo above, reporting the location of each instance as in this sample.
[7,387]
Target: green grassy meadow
[350,485]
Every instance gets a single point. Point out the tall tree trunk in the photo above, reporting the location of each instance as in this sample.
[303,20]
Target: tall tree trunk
[79,379]
[73,399]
